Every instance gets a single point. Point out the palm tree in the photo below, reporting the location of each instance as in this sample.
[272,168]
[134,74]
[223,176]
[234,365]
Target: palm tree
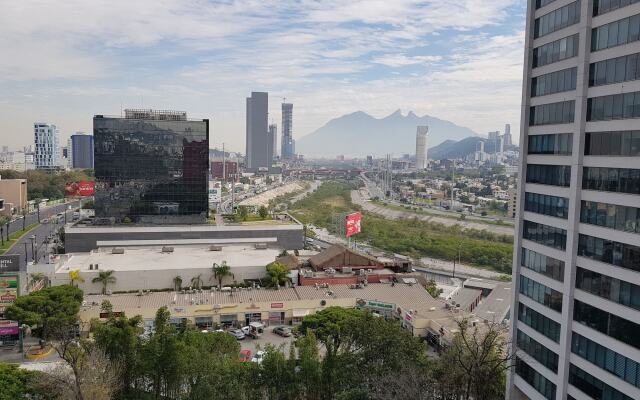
[221,271]
[38,277]
[75,277]
[177,283]
[196,281]
[104,277]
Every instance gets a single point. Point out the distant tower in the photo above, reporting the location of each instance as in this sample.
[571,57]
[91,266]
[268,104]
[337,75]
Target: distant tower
[421,147]
[259,154]
[287,150]
[48,153]
[507,135]
[273,131]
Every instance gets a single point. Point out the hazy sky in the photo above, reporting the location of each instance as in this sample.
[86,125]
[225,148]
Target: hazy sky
[64,61]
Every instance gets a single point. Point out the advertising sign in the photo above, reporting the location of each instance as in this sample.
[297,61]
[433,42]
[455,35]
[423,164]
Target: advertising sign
[277,305]
[79,189]
[8,291]
[10,263]
[352,223]
[9,328]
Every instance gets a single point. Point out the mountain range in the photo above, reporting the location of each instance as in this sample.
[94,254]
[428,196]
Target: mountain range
[359,134]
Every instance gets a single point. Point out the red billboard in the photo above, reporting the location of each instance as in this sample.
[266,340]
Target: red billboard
[352,223]
[79,189]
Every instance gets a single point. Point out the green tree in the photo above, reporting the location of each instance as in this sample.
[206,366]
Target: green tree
[119,338]
[243,212]
[263,212]
[433,289]
[105,278]
[17,383]
[221,271]
[50,310]
[277,274]
[177,283]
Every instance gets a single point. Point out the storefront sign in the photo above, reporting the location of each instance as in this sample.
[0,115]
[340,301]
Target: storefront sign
[277,305]
[9,327]
[10,263]
[8,291]
[376,305]
[114,313]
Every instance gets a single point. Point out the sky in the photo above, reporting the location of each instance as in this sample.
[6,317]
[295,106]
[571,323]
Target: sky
[64,61]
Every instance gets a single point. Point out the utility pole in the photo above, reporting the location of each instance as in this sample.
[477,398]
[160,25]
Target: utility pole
[26,258]
[453,182]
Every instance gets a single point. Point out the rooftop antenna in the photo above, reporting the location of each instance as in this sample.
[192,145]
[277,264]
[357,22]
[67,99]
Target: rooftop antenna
[284,99]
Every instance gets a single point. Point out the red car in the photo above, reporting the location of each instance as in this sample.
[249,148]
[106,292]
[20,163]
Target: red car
[245,355]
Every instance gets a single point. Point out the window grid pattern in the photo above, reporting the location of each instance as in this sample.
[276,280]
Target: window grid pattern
[539,322]
[556,143]
[562,112]
[610,252]
[554,82]
[616,33]
[618,143]
[612,216]
[593,386]
[607,359]
[614,107]
[545,265]
[604,6]
[557,19]
[544,386]
[616,290]
[541,293]
[555,51]
[556,175]
[545,204]
[542,3]
[620,180]
[609,324]
[536,350]
[614,70]
[545,234]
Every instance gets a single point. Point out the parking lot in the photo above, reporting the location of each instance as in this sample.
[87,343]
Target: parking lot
[268,337]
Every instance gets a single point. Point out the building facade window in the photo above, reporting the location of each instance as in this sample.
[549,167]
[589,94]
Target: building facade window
[557,19]
[604,6]
[539,322]
[614,70]
[554,82]
[609,288]
[539,353]
[557,144]
[615,106]
[544,386]
[621,218]
[558,50]
[619,143]
[556,175]
[621,180]
[546,204]
[593,386]
[542,3]
[616,33]
[607,359]
[610,324]
[562,112]
[541,293]
[545,265]
[545,234]
[610,252]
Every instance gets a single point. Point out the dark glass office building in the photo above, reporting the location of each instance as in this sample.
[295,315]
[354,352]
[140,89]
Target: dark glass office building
[151,167]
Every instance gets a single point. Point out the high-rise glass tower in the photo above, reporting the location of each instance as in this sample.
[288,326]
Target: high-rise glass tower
[151,167]
[81,151]
[288,144]
[48,154]
[576,307]
[259,143]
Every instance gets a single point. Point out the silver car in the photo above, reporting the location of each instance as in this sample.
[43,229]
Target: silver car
[236,333]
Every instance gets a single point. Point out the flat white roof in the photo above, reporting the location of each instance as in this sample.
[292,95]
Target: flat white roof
[152,258]
[269,226]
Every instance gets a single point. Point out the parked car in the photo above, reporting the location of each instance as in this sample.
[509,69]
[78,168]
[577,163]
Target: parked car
[236,333]
[282,331]
[245,355]
[259,357]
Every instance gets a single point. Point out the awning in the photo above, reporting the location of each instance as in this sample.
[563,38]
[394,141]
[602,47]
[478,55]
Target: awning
[301,312]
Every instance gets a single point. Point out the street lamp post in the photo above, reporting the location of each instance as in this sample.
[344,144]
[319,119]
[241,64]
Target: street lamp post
[26,259]
[38,209]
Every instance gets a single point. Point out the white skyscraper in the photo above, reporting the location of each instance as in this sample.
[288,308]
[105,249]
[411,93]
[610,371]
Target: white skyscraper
[47,146]
[421,147]
[575,324]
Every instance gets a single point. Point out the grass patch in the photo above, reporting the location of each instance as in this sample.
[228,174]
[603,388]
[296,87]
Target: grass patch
[409,236]
[15,237]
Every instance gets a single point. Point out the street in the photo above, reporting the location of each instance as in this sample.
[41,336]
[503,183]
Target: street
[24,246]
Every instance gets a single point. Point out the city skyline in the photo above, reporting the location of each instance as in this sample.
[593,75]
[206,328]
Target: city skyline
[414,56]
